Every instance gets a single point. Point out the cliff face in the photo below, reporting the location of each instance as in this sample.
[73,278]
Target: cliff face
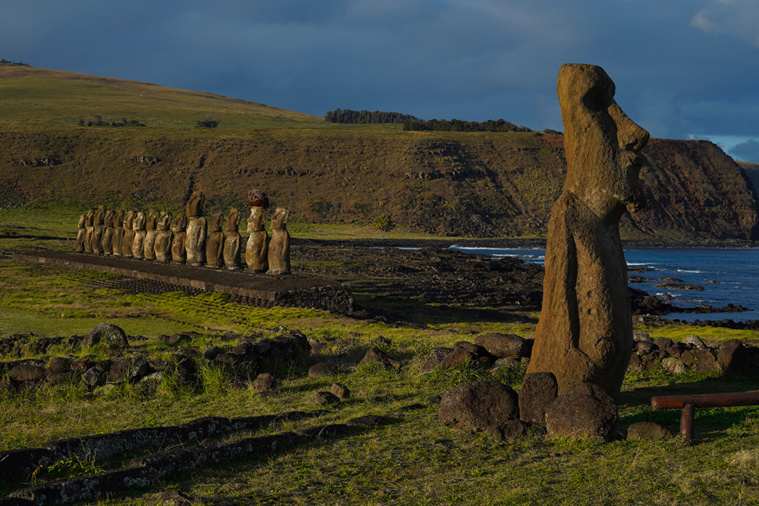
[479,185]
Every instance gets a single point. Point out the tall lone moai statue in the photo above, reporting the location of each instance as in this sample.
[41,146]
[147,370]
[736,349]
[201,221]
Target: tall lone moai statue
[162,247]
[232,241]
[179,229]
[215,242]
[585,328]
[195,241]
[128,238]
[257,250]
[279,245]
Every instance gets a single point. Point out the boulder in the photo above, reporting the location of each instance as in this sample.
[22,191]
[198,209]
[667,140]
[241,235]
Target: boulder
[503,345]
[702,360]
[375,355]
[734,357]
[673,365]
[476,406]
[586,411]
[263,382]
[322,369]
[26,372]
[539,390]
[695,342]
[109,334]
[435,359]
[463,352]
[340,390]
[509,431]
[59,365]
[325,398]
[647,430]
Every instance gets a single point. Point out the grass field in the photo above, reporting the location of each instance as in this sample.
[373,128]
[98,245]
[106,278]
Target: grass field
[411,459]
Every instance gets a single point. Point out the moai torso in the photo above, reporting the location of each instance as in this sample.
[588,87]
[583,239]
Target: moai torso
[97,232]
[106,245]
[257,248]
[215,242]
[118,232]
[127,240]
[179,229]
[195,241]
[232,241]
[279,245]
[163,238]
[585,329]
[80,234]
[138,245]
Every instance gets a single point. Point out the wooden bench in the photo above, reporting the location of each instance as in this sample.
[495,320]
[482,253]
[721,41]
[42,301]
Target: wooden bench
[689,403]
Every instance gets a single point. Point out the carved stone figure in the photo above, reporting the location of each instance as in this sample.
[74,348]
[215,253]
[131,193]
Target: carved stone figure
[195,241]
[163,237]
[118,232]
[215,242]
[585,328]
[128,240]
[80,234]
[148,247]
[179,229]
[89,230]
[257,249]
[232,241]
[279,245]
[138,244]
[97,232]
[107,233]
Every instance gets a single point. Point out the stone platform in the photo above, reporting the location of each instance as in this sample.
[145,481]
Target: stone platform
[257,289]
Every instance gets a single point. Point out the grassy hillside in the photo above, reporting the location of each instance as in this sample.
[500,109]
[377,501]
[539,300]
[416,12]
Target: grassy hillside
[441,183]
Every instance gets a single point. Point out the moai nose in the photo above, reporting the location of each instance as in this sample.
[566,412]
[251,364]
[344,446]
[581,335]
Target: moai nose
[630,136]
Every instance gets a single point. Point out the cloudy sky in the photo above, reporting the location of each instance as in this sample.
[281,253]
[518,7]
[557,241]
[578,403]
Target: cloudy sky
[684,69]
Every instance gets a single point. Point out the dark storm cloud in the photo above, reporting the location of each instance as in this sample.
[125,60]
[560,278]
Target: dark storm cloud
[682,67]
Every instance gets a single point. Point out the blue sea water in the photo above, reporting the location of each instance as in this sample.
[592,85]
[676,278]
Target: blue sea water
[727,275]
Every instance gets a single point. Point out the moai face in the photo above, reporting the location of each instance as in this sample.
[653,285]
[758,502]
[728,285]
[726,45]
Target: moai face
[215,223]
[256,220]
[279,219]
[99,215]
[89,218]
[600,141]
[128,220]
[82,219]
[163,221]
[195,204]
[151,220]
[139,222]
[108,219]
[180,224]
[118,218]
[233,221]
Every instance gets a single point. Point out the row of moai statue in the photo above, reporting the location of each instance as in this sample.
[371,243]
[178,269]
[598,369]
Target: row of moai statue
[190,238]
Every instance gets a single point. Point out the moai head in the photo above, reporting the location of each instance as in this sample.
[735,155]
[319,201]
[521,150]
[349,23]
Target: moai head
[257,198]
[99,215]
[256,219]
[195,204]
[89,218]
[118,218]
[82,219]
[215,224]
[108,219]
[233,221]
[151,220]
[279,219]
[163,220]
[600,141]
[180,224]
[128,220]
[139,222]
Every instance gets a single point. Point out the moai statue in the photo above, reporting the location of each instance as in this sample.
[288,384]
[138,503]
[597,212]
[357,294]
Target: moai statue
[80,234]
[179,230]
[128,239]
[89,230]
[118,232]
[257,248]
[195,241]
[105,244]
[279,245]
[148,247]
[215,242]
[138,244]
[163,238]
[232,241]
[585,329]
[97,230]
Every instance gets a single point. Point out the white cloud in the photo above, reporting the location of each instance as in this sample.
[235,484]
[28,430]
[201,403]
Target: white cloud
[736,18]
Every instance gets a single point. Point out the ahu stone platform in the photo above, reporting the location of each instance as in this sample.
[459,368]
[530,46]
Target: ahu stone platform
[258,289]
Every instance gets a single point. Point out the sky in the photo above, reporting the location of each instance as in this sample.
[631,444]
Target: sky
[684,69]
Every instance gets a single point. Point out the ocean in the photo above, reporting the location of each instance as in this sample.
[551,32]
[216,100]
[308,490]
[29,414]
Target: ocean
[727,276]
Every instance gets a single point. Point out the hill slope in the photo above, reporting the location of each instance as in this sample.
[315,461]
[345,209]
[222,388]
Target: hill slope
[472,184]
